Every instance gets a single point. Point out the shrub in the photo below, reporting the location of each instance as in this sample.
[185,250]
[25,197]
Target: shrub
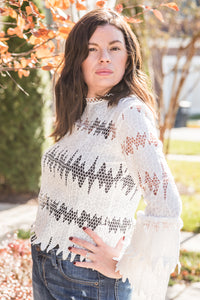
[21,126]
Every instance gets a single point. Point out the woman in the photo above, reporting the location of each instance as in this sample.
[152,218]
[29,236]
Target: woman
[86,243]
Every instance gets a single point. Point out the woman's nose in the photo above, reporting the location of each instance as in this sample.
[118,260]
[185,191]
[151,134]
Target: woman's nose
[104,57]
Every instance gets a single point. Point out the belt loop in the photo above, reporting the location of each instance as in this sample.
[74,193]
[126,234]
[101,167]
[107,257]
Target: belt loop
[53,258]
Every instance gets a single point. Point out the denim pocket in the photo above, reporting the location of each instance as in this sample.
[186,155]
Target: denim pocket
[76,274]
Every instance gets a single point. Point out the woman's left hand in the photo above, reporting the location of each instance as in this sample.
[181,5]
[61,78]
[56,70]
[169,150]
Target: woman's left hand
[100,255]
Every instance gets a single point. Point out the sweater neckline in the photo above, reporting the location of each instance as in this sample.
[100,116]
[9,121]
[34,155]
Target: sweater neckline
[94,100]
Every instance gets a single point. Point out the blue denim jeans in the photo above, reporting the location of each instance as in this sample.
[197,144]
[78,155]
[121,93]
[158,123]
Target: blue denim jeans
[58,279]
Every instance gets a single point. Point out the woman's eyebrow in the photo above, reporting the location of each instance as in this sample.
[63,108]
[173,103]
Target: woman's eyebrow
[113,42]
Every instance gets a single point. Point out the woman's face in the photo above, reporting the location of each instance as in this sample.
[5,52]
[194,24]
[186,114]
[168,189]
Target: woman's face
[105,64]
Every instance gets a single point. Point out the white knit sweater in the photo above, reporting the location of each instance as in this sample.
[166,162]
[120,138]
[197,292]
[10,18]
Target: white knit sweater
[95,178]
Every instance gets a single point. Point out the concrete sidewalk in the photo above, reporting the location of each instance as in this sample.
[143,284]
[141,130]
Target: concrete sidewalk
[16,216]
[181,157]
[185,134]
[13,217]
[184,292]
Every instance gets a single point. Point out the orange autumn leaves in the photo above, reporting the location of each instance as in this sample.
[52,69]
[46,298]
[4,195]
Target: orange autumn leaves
[46,41]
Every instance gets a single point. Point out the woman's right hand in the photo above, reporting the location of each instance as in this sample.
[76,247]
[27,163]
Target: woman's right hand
[100,255]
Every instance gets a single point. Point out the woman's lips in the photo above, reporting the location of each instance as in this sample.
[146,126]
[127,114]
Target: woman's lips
[103,72]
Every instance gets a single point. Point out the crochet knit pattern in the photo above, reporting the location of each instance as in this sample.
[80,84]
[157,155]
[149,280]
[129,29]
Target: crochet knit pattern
[95,178]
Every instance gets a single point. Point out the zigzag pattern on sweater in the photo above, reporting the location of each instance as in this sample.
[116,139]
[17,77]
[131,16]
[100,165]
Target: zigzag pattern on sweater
[83,218]
[58,161]
[139,140]
[98,127]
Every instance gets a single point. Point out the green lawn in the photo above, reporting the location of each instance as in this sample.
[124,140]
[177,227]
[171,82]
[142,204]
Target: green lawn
[184,147]
[187,173]
[191,213]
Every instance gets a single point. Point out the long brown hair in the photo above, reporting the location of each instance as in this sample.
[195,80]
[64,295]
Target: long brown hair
[71,90]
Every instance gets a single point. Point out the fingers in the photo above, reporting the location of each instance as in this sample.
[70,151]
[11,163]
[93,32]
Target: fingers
[83,243]
[84,253]
[98,241]
[93,235]
[120,244]
[88,265]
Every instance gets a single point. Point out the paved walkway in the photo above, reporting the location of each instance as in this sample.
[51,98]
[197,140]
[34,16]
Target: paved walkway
[185,134]
[184,292]
[180,157]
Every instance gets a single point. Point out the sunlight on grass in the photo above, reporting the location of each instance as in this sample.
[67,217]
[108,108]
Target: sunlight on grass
[191,213]
[184,147]
[186,172]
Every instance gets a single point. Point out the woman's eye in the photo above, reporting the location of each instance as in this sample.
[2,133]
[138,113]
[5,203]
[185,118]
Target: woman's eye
[92,49]
[115,49]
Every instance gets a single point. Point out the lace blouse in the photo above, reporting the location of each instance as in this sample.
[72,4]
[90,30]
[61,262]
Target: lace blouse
[95,178]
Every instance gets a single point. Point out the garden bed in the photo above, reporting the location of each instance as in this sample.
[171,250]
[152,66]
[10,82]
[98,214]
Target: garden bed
[15,269]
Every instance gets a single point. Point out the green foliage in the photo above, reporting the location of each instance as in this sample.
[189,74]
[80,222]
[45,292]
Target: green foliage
[23,234]
[21,131]
[195,117]
[21,126]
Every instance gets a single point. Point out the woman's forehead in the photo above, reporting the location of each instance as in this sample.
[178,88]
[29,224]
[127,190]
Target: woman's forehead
[108,33]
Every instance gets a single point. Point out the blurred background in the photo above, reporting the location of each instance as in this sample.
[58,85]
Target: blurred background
[32,35]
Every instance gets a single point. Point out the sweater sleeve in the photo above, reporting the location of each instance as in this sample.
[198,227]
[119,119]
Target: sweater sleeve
[153,252]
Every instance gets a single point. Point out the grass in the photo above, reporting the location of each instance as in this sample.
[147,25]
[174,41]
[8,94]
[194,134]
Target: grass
[184,147]
[187,178]
[187,173]
[191,213]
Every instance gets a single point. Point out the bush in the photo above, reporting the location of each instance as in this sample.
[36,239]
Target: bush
[21,131]
[21,126]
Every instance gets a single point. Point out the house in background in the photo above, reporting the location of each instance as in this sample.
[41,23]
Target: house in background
[191,89]
[190,94]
